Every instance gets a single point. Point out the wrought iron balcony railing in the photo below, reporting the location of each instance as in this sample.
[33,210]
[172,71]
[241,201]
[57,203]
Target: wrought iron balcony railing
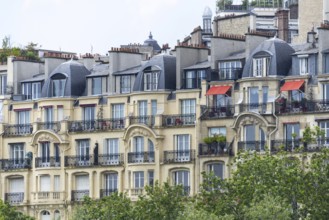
[297,145]
[79,161]
[282,106]
[109,159]
[217,112]
[251,146]
[55,126]
[107,192]
[47,162]
[215,149]
[14,198]
[12,164]
[178,120]
[18,130]
[183,156]
[78,195]
[96,125]
[230,73]
[141,157]
[148,120]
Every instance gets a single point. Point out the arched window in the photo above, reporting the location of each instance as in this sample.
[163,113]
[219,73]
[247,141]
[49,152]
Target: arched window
[261,64]
[217,168]
[182,177]
[45,215]
[110,184]
[57,215]
[58,85]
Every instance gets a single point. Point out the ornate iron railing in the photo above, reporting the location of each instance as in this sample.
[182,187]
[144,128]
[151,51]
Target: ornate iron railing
[96,125]
[55,126]
[109,159]
[178,120]
[14,198]
[18,130]
[79,161]
[107,192]
[78,195]
[12,164]
[217,112]
[47,161]
[215,149]
[148,120]
[251,146]
[183,156]
[141,157]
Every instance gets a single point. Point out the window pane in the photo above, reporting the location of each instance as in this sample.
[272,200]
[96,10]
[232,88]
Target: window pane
[96,86]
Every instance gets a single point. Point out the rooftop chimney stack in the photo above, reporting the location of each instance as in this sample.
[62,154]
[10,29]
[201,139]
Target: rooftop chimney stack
[283,24]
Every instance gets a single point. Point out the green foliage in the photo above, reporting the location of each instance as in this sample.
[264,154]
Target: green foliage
[208,140]
[222,3]
[160,202]
[114,207]
[8,212]
[7,50]
[192,212]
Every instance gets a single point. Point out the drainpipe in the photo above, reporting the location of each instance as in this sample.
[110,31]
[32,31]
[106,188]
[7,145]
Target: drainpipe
[276,121]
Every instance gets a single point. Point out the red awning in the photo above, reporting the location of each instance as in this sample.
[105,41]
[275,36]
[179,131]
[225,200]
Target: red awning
[292,85]
[218,90]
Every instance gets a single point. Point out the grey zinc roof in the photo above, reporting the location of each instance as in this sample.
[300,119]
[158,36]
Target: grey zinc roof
[129,71]
[37,78]
[75,79]
[201,65]
[167,77]
[307,51]
[99,70]
[235,56]
[280,53]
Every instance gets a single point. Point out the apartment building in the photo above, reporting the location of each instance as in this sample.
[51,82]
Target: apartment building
[71,129]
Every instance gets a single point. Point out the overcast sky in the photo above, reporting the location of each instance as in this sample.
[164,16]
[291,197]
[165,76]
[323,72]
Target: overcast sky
[82,25]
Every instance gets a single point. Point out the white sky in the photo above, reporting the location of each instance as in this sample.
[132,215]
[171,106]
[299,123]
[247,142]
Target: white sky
[78,25]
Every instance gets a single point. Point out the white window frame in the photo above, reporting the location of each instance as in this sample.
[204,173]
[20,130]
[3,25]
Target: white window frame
[96,85]
[261,66]
[36,90]
[138,179]
[303,65]
[118,111]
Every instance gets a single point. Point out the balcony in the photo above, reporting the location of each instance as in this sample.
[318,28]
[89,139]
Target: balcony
[298,145]
[47,162]
[107,192]
[178,120]
[49,195]
[230,74]
[136,191]
[184,156]
[217,112]
[141,157]
[54,126]
[284,107]
[14,198]
[258,146]
[109,160]
[215,149]
[148,120]
[79,161]
[78,195]
[96,125]
[18,130]
[13,164]
[261,108]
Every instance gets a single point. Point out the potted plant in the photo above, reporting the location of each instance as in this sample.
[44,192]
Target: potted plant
[208,140]
[308,137]
[221,140]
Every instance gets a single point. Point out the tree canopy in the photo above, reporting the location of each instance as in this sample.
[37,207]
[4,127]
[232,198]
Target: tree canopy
[262,186]
[9,212]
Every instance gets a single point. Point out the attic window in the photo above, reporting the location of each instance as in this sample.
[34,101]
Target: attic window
[151,80]
[58,85]
[261,66]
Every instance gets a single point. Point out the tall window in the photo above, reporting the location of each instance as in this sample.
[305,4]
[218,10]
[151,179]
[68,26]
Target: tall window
[125,84]
[48,113]
[118,111]
[217,169]
[3,84]
[83,150]
[57,154]
[217,131]
[60,113]
[89,117]
[44,183]
[27,90]
[45,152]
[292,131]
[57,183]
[303,66]
[150,174]
[16,187]
[183,147]
[190,80]
[324,125]
[261,66]
[253,99]
[296,95]
[23,119]
[182,177]
[81,186]
[326,92]
[111,183]
[96,86]
[58,86]
[36,90]
[138,179]
[112,150]
[151,80]
[142,111]
[17,153]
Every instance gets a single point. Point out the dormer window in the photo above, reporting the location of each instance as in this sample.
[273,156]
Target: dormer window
[96,86]
[58,85]
[230,70]
[193,78]
[31,90]
[151,80]
[261,66]
[303,65]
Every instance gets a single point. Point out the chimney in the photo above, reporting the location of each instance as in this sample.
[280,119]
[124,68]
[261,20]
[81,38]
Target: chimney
[311,36]
[283,24]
